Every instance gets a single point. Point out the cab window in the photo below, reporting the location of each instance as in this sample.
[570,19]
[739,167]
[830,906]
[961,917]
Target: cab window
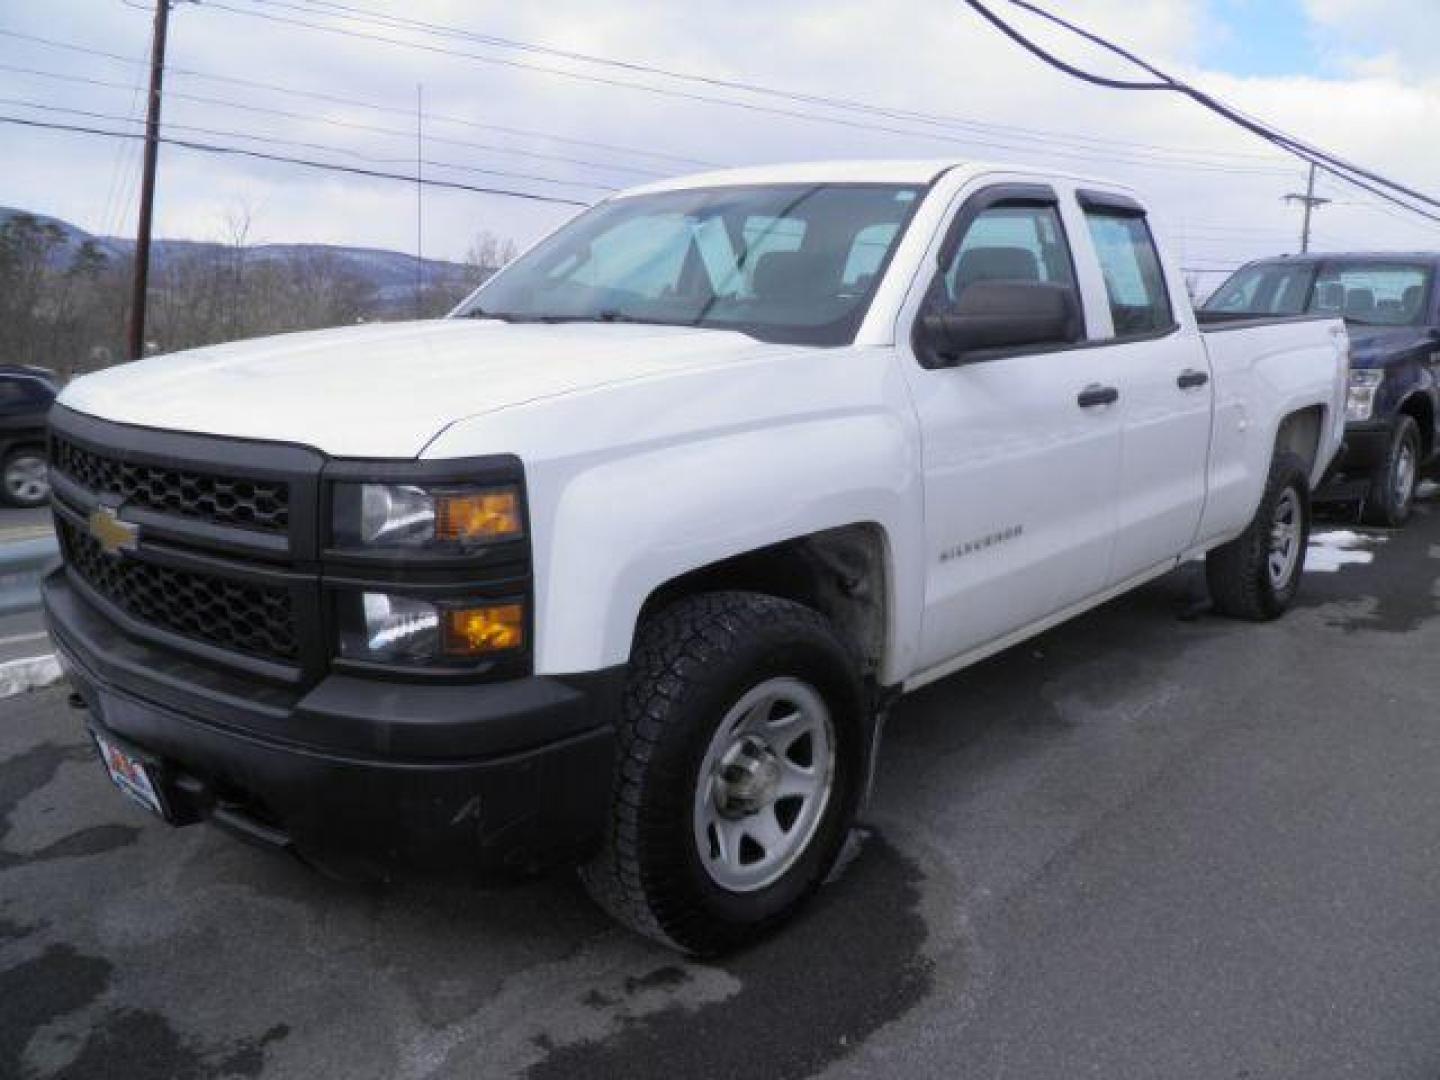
[1134,279]
[1011,243]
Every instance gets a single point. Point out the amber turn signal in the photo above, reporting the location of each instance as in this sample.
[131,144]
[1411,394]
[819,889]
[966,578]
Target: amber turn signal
[478,631]
[478,515]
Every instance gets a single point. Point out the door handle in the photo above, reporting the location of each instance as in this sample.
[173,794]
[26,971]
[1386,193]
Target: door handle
[1190,379]
[1094,396]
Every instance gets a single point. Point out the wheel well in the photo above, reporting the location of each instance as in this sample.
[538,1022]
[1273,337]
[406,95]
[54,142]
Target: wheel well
[1419,408]
[22,444]
[1300,435]
[839,572]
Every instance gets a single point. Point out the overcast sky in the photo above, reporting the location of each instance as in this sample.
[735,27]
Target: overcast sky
[1360,77]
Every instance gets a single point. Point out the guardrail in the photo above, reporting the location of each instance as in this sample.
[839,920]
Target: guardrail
[22,565]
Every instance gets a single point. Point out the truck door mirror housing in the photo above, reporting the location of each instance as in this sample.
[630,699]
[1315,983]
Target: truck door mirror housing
[994,315]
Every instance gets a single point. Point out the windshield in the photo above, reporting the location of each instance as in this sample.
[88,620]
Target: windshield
[784,262]
[1370,293]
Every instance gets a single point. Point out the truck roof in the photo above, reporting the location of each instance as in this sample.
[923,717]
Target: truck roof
[858,171]
[1350,256]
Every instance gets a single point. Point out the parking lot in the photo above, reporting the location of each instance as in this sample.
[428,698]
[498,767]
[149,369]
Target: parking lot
[1145,844]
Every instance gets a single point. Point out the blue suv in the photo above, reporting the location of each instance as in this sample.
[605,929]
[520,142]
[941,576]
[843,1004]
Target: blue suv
[1390,305]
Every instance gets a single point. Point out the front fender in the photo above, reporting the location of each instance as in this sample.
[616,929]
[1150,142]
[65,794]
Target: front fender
[618,530]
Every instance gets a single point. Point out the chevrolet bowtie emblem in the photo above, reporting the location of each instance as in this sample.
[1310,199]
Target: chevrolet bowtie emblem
[112,534]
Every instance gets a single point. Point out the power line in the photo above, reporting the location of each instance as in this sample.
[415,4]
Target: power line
[238,151]
[938,136]
[322,147]
[329,122]
[335,99]
[1345,170]
[389,21]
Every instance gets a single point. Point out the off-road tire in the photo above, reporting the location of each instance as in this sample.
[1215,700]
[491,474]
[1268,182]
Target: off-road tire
[692,662]
[1391,498]
[1238,572]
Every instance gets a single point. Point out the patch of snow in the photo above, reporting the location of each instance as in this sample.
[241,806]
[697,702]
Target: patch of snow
[1331,550]
[21,676]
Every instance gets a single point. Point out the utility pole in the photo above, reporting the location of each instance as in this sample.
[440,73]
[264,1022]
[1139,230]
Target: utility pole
[1311,204]
[419,201]
[147,183]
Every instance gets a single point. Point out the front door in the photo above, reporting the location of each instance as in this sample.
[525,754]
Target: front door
[1021,451]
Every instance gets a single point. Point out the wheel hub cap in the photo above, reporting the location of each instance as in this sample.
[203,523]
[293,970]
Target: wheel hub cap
[748,779]
[25,478]
[764,784]
[1404,477]
[1284,540]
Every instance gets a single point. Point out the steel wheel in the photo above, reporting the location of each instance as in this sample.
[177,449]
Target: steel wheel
[764,784]
[1285,531]
[1402,479]
[26,479]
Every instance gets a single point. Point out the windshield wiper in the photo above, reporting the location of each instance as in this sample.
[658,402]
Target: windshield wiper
[616,315]
[481,313]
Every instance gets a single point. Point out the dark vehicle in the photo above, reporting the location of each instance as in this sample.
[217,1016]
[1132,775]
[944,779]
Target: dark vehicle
[1390,305]
[25,397]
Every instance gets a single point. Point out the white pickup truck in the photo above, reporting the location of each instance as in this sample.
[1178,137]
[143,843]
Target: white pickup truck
[621,564]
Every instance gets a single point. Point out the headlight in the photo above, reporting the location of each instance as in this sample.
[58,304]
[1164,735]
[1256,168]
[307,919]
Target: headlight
[392,629]
[409,516]
[1364,385]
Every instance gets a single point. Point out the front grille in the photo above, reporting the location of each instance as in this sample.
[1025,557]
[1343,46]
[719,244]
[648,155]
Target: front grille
[256,620]
[262,505]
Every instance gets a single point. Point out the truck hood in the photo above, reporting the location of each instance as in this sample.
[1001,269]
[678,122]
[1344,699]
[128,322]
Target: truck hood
[1377,347]
[386,390]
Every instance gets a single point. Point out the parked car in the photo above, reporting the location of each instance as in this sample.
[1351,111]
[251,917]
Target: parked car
[622,563]
[1393,310]
[26,394]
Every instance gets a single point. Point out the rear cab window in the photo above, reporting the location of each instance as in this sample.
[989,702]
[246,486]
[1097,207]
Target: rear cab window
[1130,263]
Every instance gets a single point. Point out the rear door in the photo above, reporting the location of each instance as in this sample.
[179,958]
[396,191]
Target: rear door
[1166,387]
[1021,450]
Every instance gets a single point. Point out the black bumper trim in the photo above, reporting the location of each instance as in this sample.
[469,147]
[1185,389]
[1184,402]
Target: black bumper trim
[361,776]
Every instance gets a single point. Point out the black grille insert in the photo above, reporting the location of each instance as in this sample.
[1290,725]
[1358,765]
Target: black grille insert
[257,620]
[262,505]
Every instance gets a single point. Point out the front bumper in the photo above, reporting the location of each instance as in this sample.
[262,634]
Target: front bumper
[1366,445]
[1364,450]
[361,776]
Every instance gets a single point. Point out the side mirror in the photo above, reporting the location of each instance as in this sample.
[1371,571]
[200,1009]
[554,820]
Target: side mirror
[1002,315]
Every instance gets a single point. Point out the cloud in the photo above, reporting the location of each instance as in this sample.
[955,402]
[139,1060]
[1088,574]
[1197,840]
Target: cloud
[1219,192]
[1397,39]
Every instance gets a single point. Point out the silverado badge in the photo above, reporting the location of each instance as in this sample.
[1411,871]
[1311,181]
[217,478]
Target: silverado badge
[112,534]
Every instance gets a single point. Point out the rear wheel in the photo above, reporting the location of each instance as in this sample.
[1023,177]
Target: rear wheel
[1257,575]
[737,775]
[24,478]
[1392,485]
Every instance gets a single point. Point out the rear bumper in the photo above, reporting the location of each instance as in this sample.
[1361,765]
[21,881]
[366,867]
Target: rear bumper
[361,776]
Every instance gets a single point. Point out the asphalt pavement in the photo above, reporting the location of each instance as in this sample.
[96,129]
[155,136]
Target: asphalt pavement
[1146,844]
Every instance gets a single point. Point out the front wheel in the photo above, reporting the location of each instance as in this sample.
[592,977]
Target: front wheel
[26,481]
[738,771]
[1257,575]
[1392,486]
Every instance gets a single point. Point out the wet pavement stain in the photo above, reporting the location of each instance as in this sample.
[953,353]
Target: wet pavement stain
[152,1050]
[61,981]
[1401,585]
[851,964]
[28,772]
[34,993]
